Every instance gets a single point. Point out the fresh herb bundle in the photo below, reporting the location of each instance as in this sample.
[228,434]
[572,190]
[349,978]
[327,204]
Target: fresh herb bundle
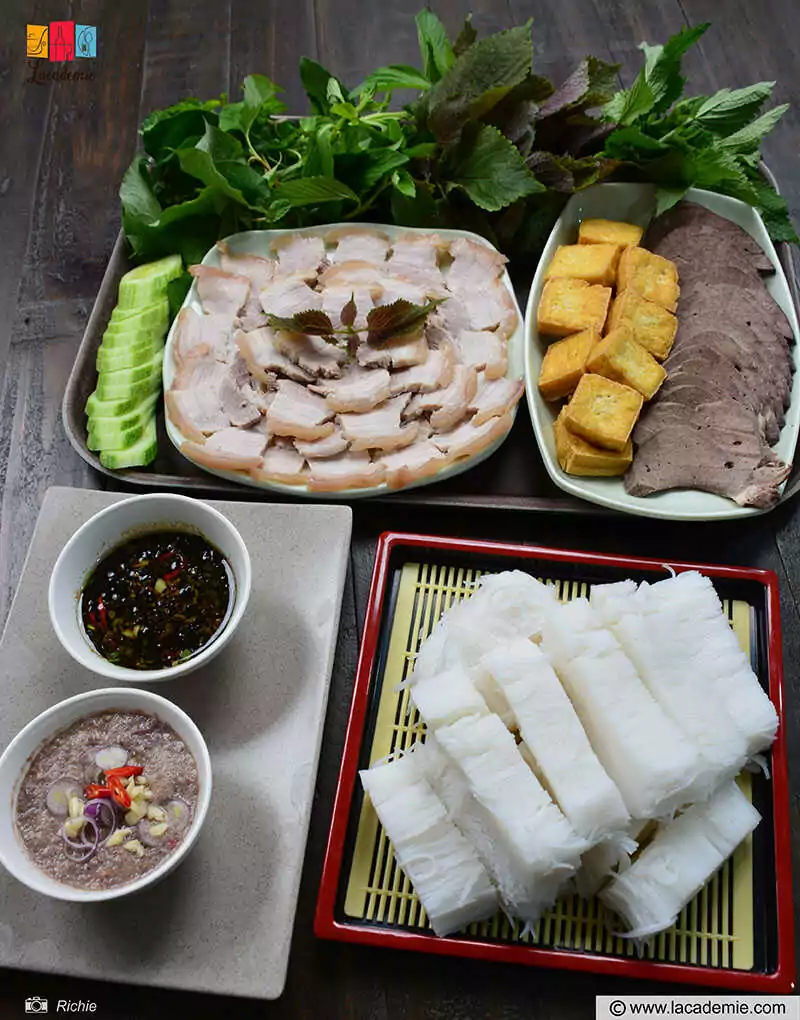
[485,144]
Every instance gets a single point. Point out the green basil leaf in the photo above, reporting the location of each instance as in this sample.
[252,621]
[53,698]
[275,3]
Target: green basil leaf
[315,80]
[404,182]
[395,76]
[314,190]
[161,138]
[434,45]
[492,171]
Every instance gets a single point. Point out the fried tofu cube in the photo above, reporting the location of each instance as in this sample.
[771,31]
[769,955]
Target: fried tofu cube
[595,263]
[617,356]
[577,457]
[568,306]
[653,326]
[603,412]
[564,363]
[609,232]
[650,275]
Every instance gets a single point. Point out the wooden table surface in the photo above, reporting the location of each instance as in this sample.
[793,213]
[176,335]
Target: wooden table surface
[65,146]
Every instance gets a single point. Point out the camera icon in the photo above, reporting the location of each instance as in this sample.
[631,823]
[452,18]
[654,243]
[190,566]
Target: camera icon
[36,1004]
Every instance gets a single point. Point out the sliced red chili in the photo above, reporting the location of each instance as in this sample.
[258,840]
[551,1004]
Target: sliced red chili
[172,574]
[101,609]
[118,792]
[125,771]
[94,790]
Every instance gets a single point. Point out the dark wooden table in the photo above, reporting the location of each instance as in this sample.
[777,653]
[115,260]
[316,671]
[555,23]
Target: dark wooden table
[64,148]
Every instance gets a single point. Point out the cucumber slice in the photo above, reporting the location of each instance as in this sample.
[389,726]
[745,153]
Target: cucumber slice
[133,375]
[148,283]
[140,453]
[153,314]
[110,388]
[126,357]
[116,406]
[115,438]
[138,415]
[125,337]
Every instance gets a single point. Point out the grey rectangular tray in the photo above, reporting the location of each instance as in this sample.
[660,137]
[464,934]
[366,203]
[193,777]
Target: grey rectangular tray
[514,478]
[222,922]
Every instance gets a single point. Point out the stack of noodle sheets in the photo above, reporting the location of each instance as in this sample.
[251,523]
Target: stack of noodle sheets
[558,735]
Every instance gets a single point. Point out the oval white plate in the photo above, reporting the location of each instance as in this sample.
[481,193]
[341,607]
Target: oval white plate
[634,203]
[259,242]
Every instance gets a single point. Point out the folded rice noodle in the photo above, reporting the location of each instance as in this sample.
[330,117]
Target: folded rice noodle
[652,762]
[687,694]
[447,697]
[555,737]
[521,823]
[442,865]
[681,858]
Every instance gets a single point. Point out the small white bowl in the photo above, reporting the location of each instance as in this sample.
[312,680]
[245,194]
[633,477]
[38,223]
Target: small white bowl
[16,759]
[112,526]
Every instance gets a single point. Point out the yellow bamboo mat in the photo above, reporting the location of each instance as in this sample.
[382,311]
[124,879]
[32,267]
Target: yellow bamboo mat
[715,929]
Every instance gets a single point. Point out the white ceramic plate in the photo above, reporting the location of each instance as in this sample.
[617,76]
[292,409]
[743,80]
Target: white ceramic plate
[259,242]
[634,203]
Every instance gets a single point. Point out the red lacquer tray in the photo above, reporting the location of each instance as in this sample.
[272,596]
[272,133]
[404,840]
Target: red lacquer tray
[739,931]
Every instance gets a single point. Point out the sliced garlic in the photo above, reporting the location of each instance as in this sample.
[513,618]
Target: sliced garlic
[148,795]
[131,787]
[134,847]
[118,837]
[75,807]
[135,812]
[160,586]
[156,814]
[73,826]
[158,829]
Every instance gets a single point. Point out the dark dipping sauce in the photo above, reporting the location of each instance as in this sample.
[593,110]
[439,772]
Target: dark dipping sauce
[157,600]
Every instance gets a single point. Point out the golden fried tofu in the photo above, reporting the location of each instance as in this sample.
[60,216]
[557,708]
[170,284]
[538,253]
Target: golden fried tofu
[603,412]
[577,457]
[596,263]
[609,232]
[650,275]
[564,363]
[653,326]
[618,356]
[569,306]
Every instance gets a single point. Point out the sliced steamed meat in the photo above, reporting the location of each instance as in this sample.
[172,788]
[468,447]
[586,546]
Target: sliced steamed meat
[312,353]
[475,267]
[398,353]
[298,413]
[281,463]
[357,244]
[220,293]
[493,308]
[207,395]
[450,404]
[359,389]
[241,397]
[263,359]
[347,471]
[396,288]
[415,259]
[494,398]
[467,439]
[299,255]
[421,459]
[230,449]
[259,271]
[198,336]
[349,275]
[287,296]
[484,350]
[436,372]
[195,413]
[379,429]
[330,446]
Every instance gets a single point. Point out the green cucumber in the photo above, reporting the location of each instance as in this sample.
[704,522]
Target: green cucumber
[132,375]
[148,283]
[114,438]
[125,337]
[137,415]
[112,358]
[154,314]
[140,453]
[109,388]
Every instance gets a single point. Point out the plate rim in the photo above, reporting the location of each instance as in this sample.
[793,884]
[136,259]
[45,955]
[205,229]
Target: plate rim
[620,501]
[516,368]
[780,981]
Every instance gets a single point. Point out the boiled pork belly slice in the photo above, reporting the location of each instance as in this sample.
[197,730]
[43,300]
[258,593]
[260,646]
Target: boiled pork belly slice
[263,358]
[195,412]
[349,275]
[347,471]
[259,271]
[436,372]
[198,335]
[299,255]
[450,404]
[492,308]
[230,449]
[467,439]
[359,389]
[474,267]
[358,244]
[288,295]
[421,459]
[241,400]
[484,350]
[415,258]
[401,352]
[396,288]
[330,446]
[298,413]
[220,293]
[379,429]
[494,398]
[312,353]
[281,463]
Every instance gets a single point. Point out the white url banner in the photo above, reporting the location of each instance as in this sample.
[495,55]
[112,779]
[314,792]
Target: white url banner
[612,1007]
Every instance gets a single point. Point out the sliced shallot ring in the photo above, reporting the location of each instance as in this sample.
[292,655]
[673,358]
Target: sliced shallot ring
[59,794]
[112,757]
